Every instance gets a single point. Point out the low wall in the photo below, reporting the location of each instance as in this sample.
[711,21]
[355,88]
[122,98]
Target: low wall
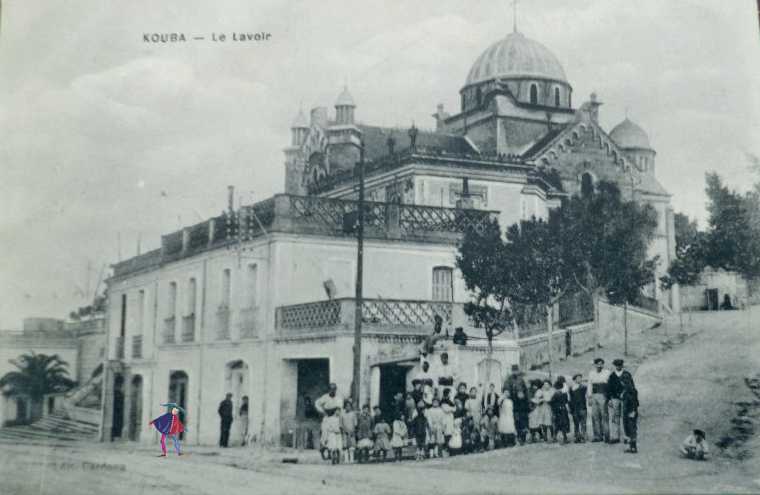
[534,351]
[611,324]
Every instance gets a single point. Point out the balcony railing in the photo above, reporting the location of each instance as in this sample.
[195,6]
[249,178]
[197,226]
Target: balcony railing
[223,323]
[119,347]
[408,316]
[137,347]
[312,215]
[248,320]
[188,328]
[170,324]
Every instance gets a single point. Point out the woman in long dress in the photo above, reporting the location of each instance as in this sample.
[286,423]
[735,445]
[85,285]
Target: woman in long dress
[506,420]
[544,409]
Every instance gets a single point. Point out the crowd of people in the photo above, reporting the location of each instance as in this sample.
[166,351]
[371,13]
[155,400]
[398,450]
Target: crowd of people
[441,416]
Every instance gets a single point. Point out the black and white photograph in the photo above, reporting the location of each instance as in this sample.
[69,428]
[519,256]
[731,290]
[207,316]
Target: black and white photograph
[348,247]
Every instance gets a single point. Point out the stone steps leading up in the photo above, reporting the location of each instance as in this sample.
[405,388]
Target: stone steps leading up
[55,427]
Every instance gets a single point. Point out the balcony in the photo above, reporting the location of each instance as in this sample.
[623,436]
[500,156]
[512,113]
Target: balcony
[119,347]
[137,347]
[170,324]
[311,215]
[248,322]
[188,328]
[223,322]
[378,316]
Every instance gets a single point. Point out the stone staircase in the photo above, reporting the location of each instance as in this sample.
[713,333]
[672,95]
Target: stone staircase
[56,427]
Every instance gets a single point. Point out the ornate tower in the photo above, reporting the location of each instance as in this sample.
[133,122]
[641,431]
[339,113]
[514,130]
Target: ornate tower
[294,162]
[635,143]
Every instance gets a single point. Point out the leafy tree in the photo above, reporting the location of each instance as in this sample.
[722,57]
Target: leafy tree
[686,231]
[480,261]
[609,238]
[691,254]
[733,237]
[37,375]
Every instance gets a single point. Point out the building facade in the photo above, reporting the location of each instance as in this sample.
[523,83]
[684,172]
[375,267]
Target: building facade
[258,302]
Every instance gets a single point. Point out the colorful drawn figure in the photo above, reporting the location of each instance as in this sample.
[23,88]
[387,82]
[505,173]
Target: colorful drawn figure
[169,425]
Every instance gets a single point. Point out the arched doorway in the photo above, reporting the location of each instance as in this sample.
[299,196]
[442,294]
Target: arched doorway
[489,371]
[117,423]
[178,391]
[236,382]
[135,408]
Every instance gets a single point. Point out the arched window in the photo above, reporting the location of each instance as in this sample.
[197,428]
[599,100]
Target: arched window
[556,97]
[443,284]
[587,184]
[533,94]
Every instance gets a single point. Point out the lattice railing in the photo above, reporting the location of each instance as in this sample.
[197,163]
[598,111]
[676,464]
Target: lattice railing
[336,214]
[404,313]
[170,324]
[413,218]
[311,315]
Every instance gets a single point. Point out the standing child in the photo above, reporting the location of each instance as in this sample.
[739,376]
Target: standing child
[333,436]
[448,408]
[455,444]
[579,408]
[435,421]
[489,427]
[348,422]
[522,411]
[534,420]
[473,406]
[544,397]
[382,432]
[506,420]
[559,405]
[364,434]
[420,429]
[399,436]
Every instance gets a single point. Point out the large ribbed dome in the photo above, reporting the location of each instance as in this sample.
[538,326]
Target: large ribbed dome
[628,134]
[516,56]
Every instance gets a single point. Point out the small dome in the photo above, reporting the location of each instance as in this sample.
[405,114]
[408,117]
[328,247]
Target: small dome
[516,56]
[628,134]
[345,99]
[300,121]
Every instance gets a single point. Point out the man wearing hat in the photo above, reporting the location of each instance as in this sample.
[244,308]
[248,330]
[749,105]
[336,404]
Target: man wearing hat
[169,425]
[615,394]
[598,379]
[515,382]
[225,417]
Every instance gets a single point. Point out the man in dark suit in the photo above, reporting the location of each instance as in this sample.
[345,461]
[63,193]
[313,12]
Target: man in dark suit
[225,415]
[615,394]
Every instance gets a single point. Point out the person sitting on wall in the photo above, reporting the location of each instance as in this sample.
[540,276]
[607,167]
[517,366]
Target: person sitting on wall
[460,338]
[428,347]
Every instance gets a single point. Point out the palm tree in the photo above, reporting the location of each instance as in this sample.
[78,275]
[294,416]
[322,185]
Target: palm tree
[38,374]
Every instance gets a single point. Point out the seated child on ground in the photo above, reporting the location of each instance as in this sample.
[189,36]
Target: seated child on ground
[695,446]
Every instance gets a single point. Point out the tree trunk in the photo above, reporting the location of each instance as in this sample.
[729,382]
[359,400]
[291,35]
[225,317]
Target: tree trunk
[597,323]
[36,409]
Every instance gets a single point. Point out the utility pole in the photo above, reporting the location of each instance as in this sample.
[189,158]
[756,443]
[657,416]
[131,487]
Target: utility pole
[359,279]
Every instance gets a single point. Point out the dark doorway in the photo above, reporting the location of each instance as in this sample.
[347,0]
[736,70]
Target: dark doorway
[392,381]
[50,405]
[117,423]
[20,410]
[178,383]
[712,299]
[135,408]
[313,379]
[568,343]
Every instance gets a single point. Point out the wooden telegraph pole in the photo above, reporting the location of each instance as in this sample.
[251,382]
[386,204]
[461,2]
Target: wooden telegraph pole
[359,278]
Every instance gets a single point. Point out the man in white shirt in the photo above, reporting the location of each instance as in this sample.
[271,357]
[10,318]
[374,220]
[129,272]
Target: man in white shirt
[598,380]
[445,376]
[425,376]
[329,401]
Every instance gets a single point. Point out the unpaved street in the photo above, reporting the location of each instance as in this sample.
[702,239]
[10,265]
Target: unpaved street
[698,383]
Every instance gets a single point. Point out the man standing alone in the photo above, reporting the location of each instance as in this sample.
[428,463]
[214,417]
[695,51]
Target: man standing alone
[598,380]
[615,394]
[225,415]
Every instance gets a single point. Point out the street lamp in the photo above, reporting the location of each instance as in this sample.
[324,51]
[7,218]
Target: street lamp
[359,279]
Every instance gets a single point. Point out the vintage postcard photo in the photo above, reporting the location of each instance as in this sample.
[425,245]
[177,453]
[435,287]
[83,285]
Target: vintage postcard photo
[436,247]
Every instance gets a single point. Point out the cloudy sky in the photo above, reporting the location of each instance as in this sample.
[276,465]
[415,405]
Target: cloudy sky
[107,137]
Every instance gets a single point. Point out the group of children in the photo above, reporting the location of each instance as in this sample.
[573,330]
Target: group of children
[441,422]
